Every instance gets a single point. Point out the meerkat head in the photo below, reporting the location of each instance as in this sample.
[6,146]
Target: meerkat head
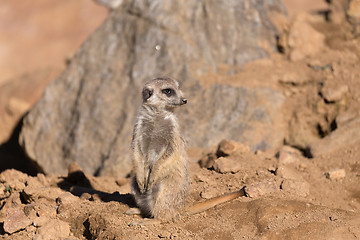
[163,94]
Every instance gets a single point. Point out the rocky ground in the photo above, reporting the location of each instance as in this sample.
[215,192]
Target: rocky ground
[306,189]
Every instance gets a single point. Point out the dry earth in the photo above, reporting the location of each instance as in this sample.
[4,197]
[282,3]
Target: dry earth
[308,189]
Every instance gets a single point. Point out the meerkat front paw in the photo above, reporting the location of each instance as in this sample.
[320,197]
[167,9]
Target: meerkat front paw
[133,211]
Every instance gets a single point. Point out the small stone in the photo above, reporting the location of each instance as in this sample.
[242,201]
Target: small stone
[209,193]
[66,199]
[208,160]
[304,40]
[227,165]
[42,179]
[336,174]
[122,181]
[228,147]
[14,179]
[343,136]
[293,78]
[298,187]
[86,196]
[53,229]
[334,93]
[288,172]
[288,155]
[261,188]
[344,117]
[40,221]
[4,191]
[30,210]
[15,220]
[354,9]
[200,178]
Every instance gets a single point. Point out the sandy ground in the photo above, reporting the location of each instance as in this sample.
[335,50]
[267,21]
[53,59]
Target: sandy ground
[308,189]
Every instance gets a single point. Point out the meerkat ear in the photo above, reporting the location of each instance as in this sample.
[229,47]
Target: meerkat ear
[147,93]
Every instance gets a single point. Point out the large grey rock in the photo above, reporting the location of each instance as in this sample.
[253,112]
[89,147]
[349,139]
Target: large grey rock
[87,114]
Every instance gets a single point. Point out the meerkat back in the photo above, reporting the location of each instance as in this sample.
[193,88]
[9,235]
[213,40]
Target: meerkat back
[161,182]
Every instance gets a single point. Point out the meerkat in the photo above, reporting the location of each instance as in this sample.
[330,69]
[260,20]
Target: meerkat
[161,182]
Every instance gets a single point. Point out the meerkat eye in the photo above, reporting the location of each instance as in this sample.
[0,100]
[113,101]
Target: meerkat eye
[168,92]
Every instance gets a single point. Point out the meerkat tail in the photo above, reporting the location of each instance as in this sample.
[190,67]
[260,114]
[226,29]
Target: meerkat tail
[200,207]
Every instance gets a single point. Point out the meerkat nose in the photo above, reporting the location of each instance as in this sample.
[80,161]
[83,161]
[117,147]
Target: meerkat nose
[184,101]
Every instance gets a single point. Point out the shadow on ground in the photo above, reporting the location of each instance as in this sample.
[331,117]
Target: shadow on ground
[12,155]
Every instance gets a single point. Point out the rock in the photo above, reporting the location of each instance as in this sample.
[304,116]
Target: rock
[208,160]
[228,147]
[288,155]
[66,199]
[42,179]
[5,191]
[200,178]
[259,189]
[341,137]
[344,117]
[15,220]
[298,187]
[87,114]
[209,193]
[14,179]
[301,130]
[30,193]
[303,40]
[13,201]
[288,172]
[332,92]
[53,229]
[227,165]
[40,221]
[336,174]
[353,11]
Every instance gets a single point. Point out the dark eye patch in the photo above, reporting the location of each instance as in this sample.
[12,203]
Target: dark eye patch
[168,92]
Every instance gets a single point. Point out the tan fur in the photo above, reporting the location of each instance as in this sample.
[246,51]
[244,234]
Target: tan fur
[161,183]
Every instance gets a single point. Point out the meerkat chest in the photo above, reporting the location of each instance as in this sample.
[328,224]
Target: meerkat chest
[156,134]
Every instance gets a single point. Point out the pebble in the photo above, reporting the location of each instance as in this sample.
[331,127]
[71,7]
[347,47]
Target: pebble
[288,155]
[66,199]
[227,165]
[53,229]
[229,147]
[336,174]
[208,160]
[332,92]
[298,187]
[303,39]
[287,172]
[209,193]
[261,188]
[15,220]
[354,9]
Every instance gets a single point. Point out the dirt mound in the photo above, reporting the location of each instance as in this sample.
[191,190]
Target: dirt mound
[287,197]
[306,189]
